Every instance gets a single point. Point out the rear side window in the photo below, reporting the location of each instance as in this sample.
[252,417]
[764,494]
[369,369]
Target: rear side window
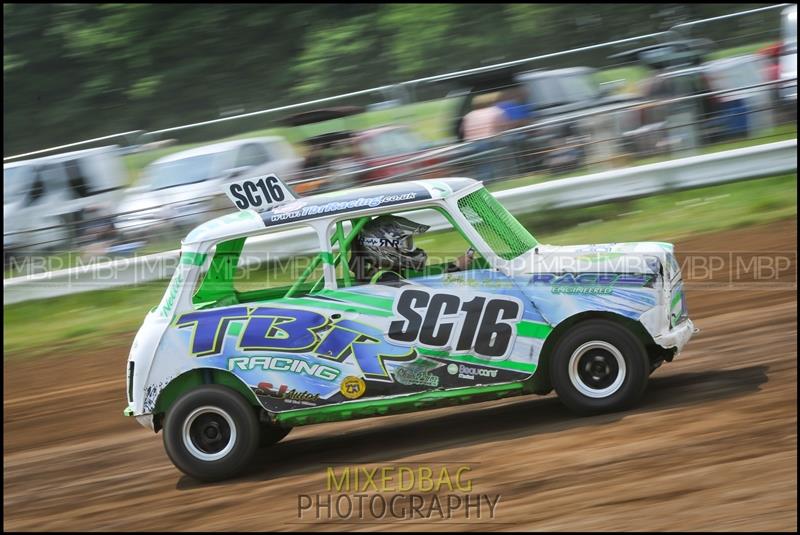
[280,150]
[501,231]
[76,179]
[37,187]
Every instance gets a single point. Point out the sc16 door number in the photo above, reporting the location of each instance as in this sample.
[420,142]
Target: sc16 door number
[477,324]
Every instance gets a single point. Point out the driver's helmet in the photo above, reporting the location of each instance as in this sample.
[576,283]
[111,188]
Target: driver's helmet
[387,242]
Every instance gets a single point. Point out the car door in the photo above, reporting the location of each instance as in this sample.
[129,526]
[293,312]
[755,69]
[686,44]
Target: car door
[462,328]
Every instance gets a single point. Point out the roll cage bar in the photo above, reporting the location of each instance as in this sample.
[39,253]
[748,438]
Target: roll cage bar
[216,287]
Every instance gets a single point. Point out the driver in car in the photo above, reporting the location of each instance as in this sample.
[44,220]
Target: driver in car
[385,246]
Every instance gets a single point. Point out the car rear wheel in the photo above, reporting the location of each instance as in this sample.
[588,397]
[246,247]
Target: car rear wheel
[211,433]
[599,366]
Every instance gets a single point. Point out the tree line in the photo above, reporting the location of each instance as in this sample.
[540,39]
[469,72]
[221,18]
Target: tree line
[74,71]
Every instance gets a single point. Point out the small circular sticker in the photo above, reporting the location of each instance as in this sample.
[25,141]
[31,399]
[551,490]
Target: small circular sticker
[353,387]
[452,369]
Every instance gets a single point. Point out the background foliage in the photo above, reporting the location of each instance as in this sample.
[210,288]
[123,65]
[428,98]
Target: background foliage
[73,71]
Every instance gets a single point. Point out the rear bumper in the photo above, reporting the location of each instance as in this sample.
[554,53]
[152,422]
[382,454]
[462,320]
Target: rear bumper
[678,336]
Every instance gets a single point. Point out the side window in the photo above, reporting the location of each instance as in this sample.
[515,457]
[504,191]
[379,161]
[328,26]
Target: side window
[280,150]
[48,179]
[54,177]
[37,187]
[78,182]
[405,245]
[262,272]
[252,154]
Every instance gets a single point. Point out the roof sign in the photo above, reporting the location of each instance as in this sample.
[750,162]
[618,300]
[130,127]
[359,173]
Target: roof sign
[259,193]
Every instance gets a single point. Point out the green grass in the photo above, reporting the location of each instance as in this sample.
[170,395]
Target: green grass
[104,319]
[740,50]
[672,216]
[91,321]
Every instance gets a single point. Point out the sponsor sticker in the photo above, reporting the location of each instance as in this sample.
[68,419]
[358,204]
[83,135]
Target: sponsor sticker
[353,387]
[415,376]
[470,372]
[290,395]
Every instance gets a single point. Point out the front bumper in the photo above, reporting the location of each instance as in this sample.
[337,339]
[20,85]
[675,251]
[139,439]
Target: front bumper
[678,336]
[145,420]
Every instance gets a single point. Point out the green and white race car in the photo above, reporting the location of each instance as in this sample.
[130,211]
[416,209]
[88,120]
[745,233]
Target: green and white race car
[233,358]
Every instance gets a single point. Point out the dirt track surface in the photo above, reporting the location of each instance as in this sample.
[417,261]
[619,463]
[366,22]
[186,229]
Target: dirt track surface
[713,445]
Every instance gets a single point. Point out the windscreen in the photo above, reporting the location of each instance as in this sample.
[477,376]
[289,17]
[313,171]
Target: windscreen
[501,231]
[556,90]
[392,143]
[14,185]
[183,171]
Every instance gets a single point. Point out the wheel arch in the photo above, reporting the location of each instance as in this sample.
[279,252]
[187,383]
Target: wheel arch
[192,379]
[541,378]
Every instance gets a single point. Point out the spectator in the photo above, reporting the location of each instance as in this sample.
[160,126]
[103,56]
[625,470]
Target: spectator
[481,126]
[485,120]
[516,110]
[516,113]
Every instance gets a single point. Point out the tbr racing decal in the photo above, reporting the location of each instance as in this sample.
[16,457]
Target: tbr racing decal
[294,331]
[482,325]
[294,357]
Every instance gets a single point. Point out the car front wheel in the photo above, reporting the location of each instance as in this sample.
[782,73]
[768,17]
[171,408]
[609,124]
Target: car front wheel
[211,433]
[599,366]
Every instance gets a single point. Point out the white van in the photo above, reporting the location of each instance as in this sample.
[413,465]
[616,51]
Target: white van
[46,200]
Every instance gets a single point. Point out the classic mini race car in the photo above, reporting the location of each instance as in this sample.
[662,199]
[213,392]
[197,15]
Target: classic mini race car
[227,363]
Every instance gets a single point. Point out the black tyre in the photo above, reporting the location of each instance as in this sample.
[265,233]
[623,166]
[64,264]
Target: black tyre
[599,366]
[211,433]
[272,434]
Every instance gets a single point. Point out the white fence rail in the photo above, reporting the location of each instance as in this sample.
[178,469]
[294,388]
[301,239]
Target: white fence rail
[597,188]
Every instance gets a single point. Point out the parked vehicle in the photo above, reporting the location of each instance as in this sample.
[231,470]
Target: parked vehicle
[47,200]
[788,59]
[184,189]
[224,365]
[671,123]
[563,102]
[343,158]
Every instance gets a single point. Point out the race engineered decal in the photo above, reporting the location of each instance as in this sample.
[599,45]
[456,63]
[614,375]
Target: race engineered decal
[593,283]
[482,325]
